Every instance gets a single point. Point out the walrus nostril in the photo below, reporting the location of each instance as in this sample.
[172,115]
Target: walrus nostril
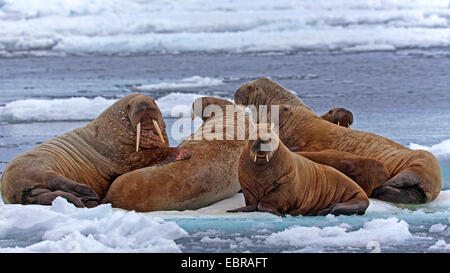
[144,106]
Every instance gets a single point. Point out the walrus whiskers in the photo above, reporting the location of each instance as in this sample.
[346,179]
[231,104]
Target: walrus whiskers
[138,136]
[158,130]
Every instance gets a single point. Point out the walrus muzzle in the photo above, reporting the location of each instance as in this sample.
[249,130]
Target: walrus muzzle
[138,133]
[256,151]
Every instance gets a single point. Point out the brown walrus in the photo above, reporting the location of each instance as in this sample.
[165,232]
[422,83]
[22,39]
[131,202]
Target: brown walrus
[210,175]
[80,165]
[339,116]
[415,174]
[281,182]
[368,173]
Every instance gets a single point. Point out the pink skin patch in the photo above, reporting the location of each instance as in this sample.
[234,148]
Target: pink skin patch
[183,154]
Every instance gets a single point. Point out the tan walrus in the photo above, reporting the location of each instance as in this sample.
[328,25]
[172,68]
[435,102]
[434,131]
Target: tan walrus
[368,173]
[415,174]
[276,180]
[339,116]
[80,165]
[210,175]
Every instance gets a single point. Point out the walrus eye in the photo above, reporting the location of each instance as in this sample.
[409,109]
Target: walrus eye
[285,109]
[329,112]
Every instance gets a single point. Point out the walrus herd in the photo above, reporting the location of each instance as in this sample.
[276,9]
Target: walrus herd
[310,164]
[81,165]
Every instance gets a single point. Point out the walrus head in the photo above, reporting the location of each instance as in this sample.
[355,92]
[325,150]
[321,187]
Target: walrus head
[339,116]
[130,125]
[264,91]
[264,147]
[200,107]
[146,118]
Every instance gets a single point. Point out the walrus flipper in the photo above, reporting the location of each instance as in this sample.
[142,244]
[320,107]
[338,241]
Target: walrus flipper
[403,188]
[78,194]
[45,197]
[356,205]
[263,208]
[249,208]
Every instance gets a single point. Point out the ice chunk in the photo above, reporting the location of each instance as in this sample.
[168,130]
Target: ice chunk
[54,110]
[64,228]
[441,150]
[384,231]
[82,108]
[440,245]
[191,82]
[437,227]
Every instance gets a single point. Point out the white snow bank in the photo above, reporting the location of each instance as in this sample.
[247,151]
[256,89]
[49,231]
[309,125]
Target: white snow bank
[65,228]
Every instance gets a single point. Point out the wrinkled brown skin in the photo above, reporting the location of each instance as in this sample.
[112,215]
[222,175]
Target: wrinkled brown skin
[339,116]
[282,182]
[80,165]
[415,174]
[368,173]
[210,175]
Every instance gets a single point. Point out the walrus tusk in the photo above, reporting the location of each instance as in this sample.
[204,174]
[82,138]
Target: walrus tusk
[254,159]
[158,130]
[138,136]
[267,158]
[338,123]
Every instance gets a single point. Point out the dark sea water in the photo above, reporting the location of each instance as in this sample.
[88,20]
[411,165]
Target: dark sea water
[402,95]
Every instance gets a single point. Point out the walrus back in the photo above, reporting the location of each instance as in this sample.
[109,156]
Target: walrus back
[208,176]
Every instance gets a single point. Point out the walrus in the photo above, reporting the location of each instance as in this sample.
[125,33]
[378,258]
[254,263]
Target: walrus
[415,174]
[281,182]
[339,116]
[80,165]
[368,173]
[208,176]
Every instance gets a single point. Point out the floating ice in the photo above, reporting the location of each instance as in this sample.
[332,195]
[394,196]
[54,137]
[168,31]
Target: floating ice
[81,108]
[64,228]
[437,227]
[121,27]
[441,150]
[440,245]
[191,82]
[384,231]
[54,110]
